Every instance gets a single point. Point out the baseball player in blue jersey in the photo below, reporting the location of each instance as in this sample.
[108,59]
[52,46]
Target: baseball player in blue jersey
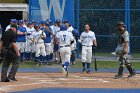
[52,40]
[49,33]
[21,39]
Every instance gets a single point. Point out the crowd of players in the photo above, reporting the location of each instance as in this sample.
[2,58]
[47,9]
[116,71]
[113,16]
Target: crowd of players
[37,42]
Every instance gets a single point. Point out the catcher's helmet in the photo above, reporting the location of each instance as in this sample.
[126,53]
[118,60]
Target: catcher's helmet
[120,23]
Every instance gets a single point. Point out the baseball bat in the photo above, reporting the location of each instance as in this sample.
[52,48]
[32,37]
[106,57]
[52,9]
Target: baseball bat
[95,62]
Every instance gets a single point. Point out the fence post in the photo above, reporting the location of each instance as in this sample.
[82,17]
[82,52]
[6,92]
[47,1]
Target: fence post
[127,18]
[77,22]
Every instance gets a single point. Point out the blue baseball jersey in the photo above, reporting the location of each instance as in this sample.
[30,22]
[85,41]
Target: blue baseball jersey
[48,35]
[21,38]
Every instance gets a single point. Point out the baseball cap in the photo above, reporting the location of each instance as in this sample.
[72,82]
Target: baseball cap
[21,22]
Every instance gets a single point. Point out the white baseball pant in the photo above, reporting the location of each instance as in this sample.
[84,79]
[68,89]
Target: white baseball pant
[40,49]
[65,53]
[86,54]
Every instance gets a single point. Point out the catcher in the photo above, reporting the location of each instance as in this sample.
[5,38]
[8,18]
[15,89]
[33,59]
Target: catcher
[122,51]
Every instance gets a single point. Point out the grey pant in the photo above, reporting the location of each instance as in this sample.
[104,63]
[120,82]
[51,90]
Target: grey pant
[5,67]
[124,61]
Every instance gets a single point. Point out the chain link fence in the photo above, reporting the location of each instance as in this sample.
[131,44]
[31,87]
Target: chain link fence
[102,15]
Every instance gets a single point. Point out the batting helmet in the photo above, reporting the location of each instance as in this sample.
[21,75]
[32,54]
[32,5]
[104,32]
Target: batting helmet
[63,28]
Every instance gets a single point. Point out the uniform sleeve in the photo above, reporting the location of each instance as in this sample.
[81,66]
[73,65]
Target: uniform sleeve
[93,38]
[81,37]
[126,36]
[57,35]
[71,37]
[44,34]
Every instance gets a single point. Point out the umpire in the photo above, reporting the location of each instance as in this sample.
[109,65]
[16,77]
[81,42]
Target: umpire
[10,54]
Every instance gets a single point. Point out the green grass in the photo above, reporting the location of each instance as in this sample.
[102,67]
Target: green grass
[134,55]
[100,64]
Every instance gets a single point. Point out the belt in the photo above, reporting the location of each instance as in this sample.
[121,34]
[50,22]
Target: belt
[39,43]
[87,46]
[65,46]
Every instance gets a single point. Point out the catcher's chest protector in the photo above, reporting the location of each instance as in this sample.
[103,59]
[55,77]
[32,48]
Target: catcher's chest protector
[121,39]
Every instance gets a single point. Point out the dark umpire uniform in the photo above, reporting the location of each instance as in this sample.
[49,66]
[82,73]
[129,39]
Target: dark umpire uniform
[10,54]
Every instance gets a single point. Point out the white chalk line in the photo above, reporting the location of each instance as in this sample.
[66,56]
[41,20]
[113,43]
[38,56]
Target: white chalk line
[76,80]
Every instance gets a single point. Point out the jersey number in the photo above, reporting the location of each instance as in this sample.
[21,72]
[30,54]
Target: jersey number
[64,37]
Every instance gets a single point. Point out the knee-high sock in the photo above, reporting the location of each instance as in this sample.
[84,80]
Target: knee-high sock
[84,65]
[51,56]
[88,66]
[66,65]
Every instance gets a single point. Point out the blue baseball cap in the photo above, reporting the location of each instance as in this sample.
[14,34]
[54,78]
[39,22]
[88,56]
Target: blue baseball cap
[36,25]
[13,20]
[65,21]
[21,21]
[30,23]
[57,21]
[25,19]
[47,23]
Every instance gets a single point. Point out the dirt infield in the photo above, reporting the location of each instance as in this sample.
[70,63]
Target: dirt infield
[27,81]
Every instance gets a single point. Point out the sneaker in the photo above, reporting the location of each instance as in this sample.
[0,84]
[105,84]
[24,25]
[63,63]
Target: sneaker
[131,75]
[118,76]
[12,79]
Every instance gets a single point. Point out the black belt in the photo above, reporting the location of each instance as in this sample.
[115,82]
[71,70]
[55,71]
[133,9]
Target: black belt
[65,46]
[87,46]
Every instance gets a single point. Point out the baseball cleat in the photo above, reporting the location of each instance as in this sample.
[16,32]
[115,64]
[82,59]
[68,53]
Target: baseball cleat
[67,74]
[118,76]
[84,70]
[64,71]
[88,71]
[131,75]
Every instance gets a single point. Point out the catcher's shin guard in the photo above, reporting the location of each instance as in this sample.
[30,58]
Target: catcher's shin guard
[129,67]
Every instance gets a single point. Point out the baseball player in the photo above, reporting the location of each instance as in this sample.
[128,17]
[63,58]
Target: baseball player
[87,39]
[25,23]
[56,29]
[30,46]
[38,37]
[21,39]
[52,39]
[49,33]
[64,40]
[12,21]
[122,51]
[75,34]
